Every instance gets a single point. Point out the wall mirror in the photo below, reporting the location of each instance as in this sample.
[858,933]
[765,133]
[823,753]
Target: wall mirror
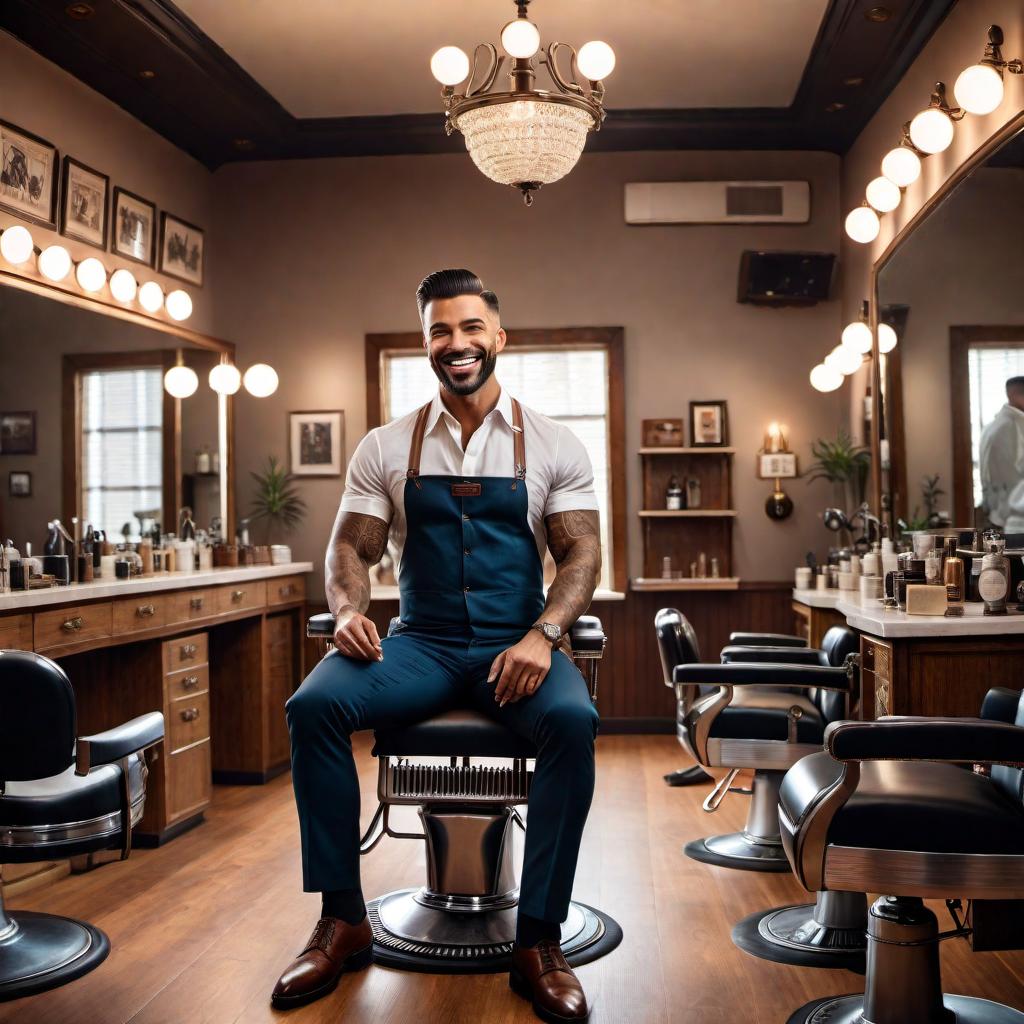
[951,392]
[90,431]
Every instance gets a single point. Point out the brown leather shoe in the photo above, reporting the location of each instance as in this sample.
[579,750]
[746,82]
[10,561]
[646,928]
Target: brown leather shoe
[542,975]
[334,948]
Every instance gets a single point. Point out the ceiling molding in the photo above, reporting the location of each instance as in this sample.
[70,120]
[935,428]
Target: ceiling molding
[208,105]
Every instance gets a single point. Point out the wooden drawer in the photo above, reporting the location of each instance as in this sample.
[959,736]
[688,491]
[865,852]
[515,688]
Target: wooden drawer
[188,682]
[188,720]
[184,652]
[135,613]
[241,596]
[72,625]
[286,590]
[16,633]
[189,781]
[187,605]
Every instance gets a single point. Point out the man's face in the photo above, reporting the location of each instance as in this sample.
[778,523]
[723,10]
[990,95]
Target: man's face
[462,337]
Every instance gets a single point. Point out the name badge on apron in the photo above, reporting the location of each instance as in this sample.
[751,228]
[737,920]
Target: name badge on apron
[465,490]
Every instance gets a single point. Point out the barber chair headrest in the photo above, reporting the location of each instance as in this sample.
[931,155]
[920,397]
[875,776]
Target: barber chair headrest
[677,641]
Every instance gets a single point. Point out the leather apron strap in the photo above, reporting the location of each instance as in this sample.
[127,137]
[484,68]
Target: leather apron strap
[416,445]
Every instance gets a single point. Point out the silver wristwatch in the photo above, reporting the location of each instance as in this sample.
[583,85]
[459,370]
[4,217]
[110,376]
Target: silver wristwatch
[550,632]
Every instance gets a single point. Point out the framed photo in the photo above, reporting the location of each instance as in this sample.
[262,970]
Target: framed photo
[28,176]
[17,433]
[182,249]
[663,433]
[316,442]
[84,204]
[708,424]
[777,465]
[134,233]
[19,483]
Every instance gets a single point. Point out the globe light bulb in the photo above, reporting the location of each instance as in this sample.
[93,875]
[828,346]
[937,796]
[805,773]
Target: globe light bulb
[520,38]
[225,379]
[180,381]
[123,285]
[979,89]
[260,380]
[151,297]
[931,130]
[902,166]
[596,60]
[844,360]
[857,337]
[824,379]
[886,338]
[54,262]
[178,304]
[450,65]
[863,225]
[91,274]
[883,195]
[16,244]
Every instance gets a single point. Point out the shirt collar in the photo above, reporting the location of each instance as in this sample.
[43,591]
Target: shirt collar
[437,410]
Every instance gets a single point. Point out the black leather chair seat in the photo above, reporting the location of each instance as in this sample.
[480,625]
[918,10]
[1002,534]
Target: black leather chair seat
[920,806]
[461,732]
[761,714]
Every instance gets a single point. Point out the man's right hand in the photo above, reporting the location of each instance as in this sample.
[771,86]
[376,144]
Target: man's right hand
[356,636]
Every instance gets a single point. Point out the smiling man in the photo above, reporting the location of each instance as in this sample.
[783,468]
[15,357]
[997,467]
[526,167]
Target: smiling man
[471,488]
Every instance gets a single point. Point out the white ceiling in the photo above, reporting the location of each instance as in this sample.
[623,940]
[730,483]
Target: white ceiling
[338,58]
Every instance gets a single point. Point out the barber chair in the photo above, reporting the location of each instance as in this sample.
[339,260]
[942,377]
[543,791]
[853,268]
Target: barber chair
[892,806]
[60,798]
[464,919]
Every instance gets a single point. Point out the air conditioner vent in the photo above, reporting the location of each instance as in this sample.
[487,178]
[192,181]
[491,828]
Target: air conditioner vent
[718,202]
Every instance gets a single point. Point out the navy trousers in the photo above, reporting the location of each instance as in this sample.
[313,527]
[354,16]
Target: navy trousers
[422,675]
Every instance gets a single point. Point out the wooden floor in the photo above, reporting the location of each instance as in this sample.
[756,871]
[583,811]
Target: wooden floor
[201,928]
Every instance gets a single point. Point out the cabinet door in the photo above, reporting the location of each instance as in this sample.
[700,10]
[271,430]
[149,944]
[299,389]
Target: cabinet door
[279,666]
[189,784]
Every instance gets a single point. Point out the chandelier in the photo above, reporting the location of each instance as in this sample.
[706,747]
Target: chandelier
[524,137]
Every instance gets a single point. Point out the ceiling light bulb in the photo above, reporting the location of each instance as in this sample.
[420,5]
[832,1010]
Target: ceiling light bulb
[91,274]
[902,166]
[16,244]
[151,297]
[825,379]
[596,60]
[844,359]
[883,195]
[225,379]
[54,262]
[931,130]
[520,38]
[979,89]
[857,337]
[123,285]
[181,381]
[886,338]
[449,65]
[179,305]
[260,380]
[863,225]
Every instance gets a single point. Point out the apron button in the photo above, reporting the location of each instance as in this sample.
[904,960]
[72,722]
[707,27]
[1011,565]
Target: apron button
[465,590]
[465,518]
[465,551]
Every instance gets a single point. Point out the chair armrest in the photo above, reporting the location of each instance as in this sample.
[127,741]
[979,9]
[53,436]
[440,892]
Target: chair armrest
[587,637]
[1000,705]
[764,674]
[779,655]
[117,743]
[766,640]
[320,625]
[899,738]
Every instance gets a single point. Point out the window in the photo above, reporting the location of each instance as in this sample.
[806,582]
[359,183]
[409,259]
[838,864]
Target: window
[989,368]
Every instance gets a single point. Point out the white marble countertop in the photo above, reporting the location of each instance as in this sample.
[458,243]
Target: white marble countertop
[382,593]
[871,617]
[819,598]
[22,600]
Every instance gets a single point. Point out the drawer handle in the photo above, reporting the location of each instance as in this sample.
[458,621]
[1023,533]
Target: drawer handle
[190,682]
[195,603]
[190,714]
[188,651]
[237,595]
[144,611]
[72,625]
[287,590]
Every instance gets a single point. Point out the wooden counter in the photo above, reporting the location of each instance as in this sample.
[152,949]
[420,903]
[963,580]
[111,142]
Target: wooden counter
[814,613]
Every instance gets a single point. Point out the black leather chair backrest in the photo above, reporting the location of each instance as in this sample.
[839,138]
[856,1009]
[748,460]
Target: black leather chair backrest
[1011,780]
[677,641]
[37,717]
[837,643]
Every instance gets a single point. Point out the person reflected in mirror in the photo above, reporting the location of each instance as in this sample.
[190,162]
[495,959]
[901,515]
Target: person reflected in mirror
[1001,461]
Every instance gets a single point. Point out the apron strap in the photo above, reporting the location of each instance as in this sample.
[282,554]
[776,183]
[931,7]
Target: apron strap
[518,440]
[416,445]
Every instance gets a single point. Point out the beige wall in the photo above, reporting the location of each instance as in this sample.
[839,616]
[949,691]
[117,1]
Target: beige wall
[323,252]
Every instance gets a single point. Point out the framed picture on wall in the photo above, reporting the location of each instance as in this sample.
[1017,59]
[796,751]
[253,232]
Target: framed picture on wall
[84,204]
[708,424]
[316,442]
[17,433]
[19,483]
[28,176]
[134,232]
[182,249]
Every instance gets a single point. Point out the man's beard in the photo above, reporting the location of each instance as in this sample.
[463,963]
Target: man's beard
[489,359]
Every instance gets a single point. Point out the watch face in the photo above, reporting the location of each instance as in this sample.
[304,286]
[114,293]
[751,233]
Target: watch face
[553,633]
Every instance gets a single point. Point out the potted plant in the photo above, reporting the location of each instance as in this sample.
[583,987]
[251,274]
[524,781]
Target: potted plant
[275,501]
[844,464]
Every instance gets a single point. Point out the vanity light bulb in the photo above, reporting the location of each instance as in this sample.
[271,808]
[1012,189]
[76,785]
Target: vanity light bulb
[844,360]
[863,225]
[181,381]
[520,38]
[225,379]
[123,285]
[857,337]
[16,244]
[179,305]
[825,379]
[979,89]
[931,130]
[886,338]
[902,166]
[883,195]
[54,262]
[260,380]
[596,60]
[91,274]
[450,65]
[151,297]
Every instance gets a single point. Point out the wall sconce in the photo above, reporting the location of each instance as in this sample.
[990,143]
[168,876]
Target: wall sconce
[979,89]
[181,381]
[776,462]
[857,335]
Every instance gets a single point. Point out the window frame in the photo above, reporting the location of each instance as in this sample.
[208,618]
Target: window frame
[379,346]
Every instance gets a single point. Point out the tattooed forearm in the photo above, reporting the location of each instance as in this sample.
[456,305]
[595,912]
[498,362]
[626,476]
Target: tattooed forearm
[574,540]
[357,542]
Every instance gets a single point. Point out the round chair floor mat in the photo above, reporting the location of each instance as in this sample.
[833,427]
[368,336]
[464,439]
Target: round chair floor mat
[748,935]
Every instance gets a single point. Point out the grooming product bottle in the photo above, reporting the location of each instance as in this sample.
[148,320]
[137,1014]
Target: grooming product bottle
[953,577]
[674,494]
[693,492]
[995,574]
[666,568]
[702,566]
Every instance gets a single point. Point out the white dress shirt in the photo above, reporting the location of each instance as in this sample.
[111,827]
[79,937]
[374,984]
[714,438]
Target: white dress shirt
[1001,464]
[559,477]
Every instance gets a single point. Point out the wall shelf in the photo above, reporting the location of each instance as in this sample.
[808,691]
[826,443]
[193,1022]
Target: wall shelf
[709,450]
[717,583]
[687,513]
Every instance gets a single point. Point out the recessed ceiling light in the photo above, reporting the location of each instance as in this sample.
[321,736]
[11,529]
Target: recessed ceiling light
[853,81]
[79,11]
[147,74]
[833,108]
[878,14]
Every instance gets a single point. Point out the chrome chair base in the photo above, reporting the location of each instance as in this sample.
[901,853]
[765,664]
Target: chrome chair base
[692,776]
[739,850]
[43,951]
[960,1010]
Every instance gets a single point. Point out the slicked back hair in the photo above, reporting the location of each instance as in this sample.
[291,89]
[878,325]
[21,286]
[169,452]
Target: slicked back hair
[447,284]
[1015,384]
